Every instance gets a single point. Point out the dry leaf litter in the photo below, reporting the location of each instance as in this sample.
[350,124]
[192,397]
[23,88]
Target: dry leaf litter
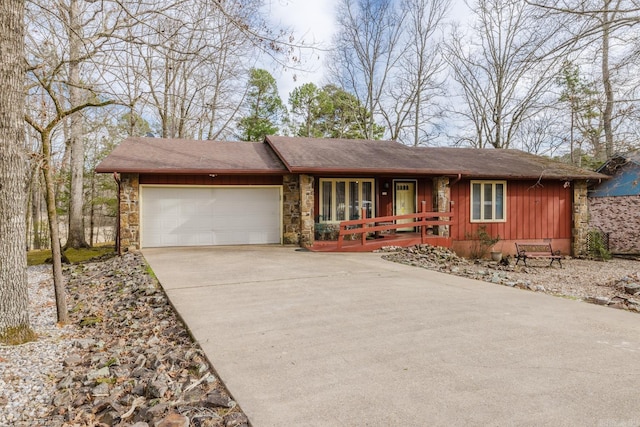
[125,359]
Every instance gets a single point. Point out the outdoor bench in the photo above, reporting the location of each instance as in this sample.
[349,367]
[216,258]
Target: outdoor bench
[526,251]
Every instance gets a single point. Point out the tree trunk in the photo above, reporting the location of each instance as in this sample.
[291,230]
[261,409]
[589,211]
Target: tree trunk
[36,220]
[607,115]
[14,301]
[92,210]
[56,253]
[76,235]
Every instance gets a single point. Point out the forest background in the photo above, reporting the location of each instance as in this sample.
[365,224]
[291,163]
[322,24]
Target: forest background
[552,78]
[555,79]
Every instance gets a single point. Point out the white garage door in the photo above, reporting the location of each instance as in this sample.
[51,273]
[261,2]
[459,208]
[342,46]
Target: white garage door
[188,216]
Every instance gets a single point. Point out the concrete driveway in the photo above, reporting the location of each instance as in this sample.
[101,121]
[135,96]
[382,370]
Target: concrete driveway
[328,339]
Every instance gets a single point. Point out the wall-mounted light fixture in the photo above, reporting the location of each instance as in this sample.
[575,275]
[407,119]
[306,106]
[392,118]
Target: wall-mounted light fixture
[385,185]
[212,175]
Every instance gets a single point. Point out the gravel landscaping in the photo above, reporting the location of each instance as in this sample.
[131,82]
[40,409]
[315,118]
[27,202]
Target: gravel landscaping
[614,283]
[125,359]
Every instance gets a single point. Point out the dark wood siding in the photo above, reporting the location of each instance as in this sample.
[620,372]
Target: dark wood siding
[425,193]
[534,211]
[208,180]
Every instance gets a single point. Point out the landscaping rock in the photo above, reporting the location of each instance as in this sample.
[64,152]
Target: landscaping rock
[99,373]
[215,399]
[603,283]
[100,390]
[131,368]
[174,420]
[632,288]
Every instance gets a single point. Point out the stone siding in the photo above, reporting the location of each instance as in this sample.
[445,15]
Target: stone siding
[297,210]
[291,210]
[620,217]
[307,215]
[443,202]
[580,228]
[129,212]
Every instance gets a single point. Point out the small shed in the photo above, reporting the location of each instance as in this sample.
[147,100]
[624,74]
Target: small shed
[614,204]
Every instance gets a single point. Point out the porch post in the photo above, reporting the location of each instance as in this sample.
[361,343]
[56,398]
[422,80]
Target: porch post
[423,228]
[363,236]
[580,215]
[307,216]
[443,202]
[291,209]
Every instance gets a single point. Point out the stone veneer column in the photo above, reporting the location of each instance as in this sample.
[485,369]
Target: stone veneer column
[129,212]
[291,209]
[443,201]
[307,216]
[580,219]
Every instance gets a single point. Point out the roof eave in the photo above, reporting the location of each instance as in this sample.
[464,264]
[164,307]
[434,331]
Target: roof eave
[540,177]
[194,171]
[374,171]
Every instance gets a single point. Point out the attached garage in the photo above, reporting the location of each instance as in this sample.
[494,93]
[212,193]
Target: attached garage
[206,216]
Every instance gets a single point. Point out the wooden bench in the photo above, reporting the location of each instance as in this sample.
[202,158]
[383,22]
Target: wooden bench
[526,251]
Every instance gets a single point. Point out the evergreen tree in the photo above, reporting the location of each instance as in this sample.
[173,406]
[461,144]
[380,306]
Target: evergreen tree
[329,112]
[265,108]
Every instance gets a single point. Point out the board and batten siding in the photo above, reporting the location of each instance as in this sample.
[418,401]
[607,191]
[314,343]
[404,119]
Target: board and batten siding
[535,211]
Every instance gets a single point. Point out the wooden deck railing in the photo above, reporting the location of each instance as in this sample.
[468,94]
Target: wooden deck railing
[422,220]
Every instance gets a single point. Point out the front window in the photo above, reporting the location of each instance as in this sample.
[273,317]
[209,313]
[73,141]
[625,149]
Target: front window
[342,199]
[488,202]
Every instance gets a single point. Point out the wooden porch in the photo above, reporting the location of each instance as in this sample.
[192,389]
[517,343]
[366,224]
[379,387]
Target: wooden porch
[369,234]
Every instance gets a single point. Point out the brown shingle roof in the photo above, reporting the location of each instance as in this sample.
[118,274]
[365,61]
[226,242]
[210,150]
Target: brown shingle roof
[181,156]
[280,155]
[317,155]
[514,164]
[314,155]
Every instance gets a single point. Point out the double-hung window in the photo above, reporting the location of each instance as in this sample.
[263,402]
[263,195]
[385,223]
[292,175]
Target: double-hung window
[342,199]
[488,201]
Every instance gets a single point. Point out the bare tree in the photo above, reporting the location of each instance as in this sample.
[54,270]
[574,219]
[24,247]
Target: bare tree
[409,107]
[14,302]
[45,88]
[191,65]
[605,29]
[367,49]
[542,133]
[75,29]
[65,38]
[503,68]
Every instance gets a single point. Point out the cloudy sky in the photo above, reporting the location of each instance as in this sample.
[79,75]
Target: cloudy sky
[314,22]
[311,20]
